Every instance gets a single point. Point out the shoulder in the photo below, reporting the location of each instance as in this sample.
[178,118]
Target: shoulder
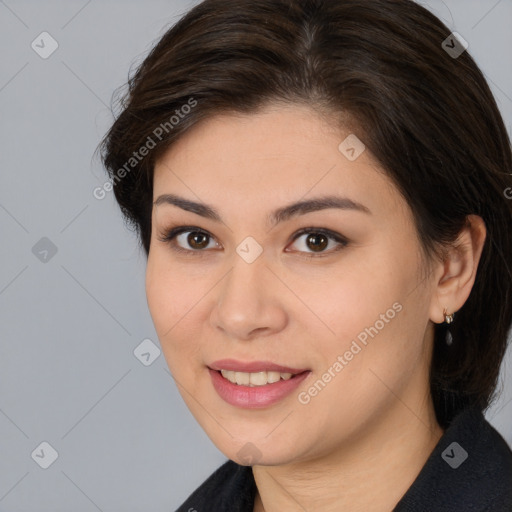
[469,469]
[495,456]
[230,487]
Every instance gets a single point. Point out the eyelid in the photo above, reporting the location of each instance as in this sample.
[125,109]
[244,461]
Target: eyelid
[170,235]
[332,235]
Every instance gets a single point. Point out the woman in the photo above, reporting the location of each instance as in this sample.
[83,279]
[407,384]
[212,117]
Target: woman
[321,191]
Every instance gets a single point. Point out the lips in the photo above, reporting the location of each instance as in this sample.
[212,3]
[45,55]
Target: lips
[259,384]
[253,366]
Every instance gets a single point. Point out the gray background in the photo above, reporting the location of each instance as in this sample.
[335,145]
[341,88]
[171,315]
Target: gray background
[69,324]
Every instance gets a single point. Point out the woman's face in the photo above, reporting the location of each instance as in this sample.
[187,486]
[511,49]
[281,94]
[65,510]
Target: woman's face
[344,305]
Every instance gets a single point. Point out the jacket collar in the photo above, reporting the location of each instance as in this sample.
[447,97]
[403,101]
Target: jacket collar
[469,469]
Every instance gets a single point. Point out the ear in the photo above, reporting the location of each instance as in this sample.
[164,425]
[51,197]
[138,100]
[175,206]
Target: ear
[455,276]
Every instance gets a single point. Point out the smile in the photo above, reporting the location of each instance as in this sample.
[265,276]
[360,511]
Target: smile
[254,379]
[256,384]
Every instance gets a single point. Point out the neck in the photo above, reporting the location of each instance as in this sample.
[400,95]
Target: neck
[370,474]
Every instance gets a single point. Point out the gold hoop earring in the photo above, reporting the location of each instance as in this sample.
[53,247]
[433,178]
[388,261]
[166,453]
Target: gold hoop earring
[448,318]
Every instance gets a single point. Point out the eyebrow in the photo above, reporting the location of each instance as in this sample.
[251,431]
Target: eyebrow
[275,217]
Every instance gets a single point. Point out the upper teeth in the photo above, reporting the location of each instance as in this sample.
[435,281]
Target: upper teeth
[254,379]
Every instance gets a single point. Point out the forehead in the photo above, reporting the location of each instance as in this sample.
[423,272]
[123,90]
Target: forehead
[277,155]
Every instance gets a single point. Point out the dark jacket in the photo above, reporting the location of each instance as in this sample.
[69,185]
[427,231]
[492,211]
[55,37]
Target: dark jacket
[469,470]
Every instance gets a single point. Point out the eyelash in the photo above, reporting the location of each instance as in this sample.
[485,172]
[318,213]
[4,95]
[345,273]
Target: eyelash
[172,233]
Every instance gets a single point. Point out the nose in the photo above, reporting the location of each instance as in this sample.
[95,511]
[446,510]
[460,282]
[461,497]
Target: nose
[249,302]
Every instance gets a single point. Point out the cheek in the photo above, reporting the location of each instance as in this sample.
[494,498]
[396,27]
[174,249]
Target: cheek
[170,291]
[353,296]
[157,294]
[171,297]
[177,296]
[371,315]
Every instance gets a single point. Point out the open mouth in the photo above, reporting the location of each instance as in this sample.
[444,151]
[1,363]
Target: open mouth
[263,384]
[254,379]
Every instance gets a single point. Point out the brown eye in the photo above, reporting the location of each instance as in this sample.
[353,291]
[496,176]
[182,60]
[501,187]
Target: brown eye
[189,240]
[197,240]
[317,242]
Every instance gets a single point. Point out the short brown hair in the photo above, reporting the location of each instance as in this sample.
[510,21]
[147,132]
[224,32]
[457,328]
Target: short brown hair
[428,117]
